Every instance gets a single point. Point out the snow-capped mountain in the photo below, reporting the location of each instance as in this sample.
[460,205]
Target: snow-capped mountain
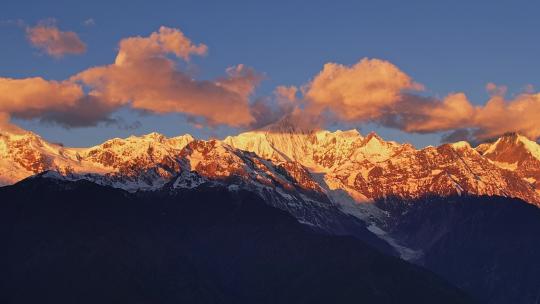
[401,200]
[132,163]
[316,175]
[369,168]
[357,172]
[284,184]
[321,151]
[515,153]
[295,168]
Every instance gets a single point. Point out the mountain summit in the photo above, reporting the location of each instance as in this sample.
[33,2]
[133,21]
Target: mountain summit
[518,154]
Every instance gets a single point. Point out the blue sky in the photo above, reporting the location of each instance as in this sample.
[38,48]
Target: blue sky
[447,46]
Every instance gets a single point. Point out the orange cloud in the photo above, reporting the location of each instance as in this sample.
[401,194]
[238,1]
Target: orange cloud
[30,97]
[286,95]
[360,92]
[496,117]
[47,37]
[165,41]
[146,75]
[62,102]
[377,91]
[431,115]
[146,79]
[142,77]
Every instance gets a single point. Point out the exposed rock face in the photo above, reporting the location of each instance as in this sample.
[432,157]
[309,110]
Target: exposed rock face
[518,154]
[442,171]
[215,161]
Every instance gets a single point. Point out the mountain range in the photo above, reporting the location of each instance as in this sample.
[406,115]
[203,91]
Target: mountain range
[454,209]
[367,168]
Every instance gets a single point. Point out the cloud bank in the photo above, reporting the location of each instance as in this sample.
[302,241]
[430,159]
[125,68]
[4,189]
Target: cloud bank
[150,74]
[143,77]
[376,91]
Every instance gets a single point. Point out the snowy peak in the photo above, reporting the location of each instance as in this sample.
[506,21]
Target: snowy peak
[147,148]
[255,141]
[338,137]
[314,149]
[461,145]
[26,138]
[25,153]
[217,161]
[151,138]
[516,153]
[512,146]
[376,149]
[372,136]
[133,162]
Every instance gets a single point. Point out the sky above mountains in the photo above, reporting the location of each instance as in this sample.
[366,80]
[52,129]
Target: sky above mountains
[420,72]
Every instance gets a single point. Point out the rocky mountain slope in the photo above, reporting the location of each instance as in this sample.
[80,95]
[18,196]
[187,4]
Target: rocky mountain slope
[79,242]
[515,153]
[486,245]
